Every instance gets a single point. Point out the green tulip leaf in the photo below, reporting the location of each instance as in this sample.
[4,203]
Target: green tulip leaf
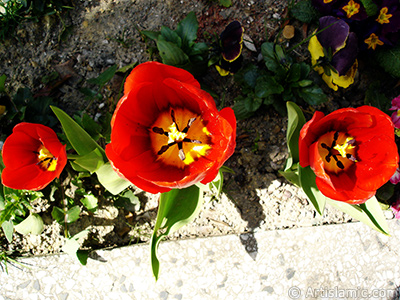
[296,121]
[90,162]
[307,183]
[176,208]
[110,179]
[80,140]
[370,213]
[8,229]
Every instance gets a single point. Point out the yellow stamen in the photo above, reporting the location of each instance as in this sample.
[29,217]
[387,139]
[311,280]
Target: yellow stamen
[337,151]
[343,149]
[384,16]
[179,137]
[174,135]
[47,161]
[373,41]
[398,113]
[351,8]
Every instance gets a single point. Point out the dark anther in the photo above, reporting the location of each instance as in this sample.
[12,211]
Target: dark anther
[323,145]
[165,148]
[173,119]
[328,158]
[335,137]
[160,131]
[189,123]
[340,164]
[351,142]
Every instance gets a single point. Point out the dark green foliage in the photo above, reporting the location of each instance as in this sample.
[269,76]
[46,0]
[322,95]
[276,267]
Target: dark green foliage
[281,80]
[179,48]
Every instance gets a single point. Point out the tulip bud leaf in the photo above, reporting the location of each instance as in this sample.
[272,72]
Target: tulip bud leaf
[176,208]
[307,183]
[110,179]
[32,224]
[80,140]
[370,213]
[296,120]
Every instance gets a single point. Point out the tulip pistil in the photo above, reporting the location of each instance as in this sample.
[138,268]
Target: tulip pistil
[46,160]
[337,150]
[172,142]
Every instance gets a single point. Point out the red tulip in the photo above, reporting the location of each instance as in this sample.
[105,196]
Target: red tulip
[351,151]
[33,156]
[167,132]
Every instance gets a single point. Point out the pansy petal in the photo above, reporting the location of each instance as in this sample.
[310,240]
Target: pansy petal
[232,41]
[344,59]
[335,34]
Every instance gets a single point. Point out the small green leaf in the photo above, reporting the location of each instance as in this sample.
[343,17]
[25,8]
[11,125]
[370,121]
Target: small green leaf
[90,202]
[187,30]
[176,208]
[72,214]
[370,213]
[128,201]
[104,77]
[313,95]
[110,179]
[376,98]
[72,246]
[389,59]
[171,36]
[151,34]
[240,110]
[32,224]
[171,54]
[252,103]
[8,229]
[294,73]
[225,3]
[3,83]
[296,121]
[268,52]
[267,85]
[307,183]
[304,11]
[80,140]
[370,7]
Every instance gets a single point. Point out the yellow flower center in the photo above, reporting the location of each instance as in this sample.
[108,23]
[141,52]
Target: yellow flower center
[351,8]
[46,160]
[337,150]
[373,41]
[327,1]
[384,16]
[179,137]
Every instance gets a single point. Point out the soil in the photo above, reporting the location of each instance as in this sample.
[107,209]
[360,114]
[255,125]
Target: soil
[104,33]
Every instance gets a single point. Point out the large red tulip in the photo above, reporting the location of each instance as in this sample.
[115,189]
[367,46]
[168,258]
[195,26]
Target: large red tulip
[166,132]
[351,151]
[33,156]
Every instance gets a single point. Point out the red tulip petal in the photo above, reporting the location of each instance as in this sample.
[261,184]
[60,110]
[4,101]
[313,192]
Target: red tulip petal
[355,196]
[307,137]
[376,166]
[18,150]
[155,72]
